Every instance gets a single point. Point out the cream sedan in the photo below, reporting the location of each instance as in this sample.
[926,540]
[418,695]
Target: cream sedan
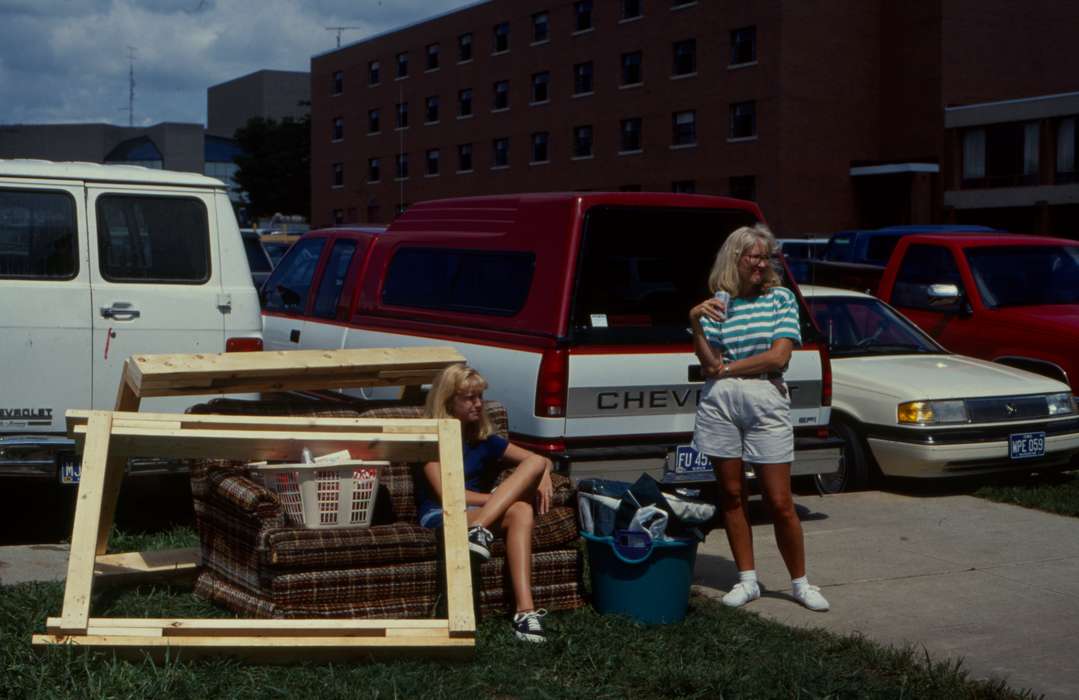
[907,407]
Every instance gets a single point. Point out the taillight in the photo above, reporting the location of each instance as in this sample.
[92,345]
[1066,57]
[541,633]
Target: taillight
[551,384]
[826,375]
[243,345]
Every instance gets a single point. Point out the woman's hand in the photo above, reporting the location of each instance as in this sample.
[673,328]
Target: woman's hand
[545,490]
[712,371]
[712,308]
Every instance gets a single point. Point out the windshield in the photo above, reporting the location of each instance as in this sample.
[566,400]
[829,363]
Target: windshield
[256,258]
[1025,275]
[861,326]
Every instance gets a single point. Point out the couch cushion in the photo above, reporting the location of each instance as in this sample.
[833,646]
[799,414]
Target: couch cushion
[341,548]
[358,585]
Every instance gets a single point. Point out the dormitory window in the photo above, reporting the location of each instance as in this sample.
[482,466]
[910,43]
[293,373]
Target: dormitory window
[684,187]
[338,216]
[338,175]
[431,161]
[540,27]
[1066,151]
[501,153]
[430,115]
[372,121]
[1001,155]
[501,95]
[630,141]
[464,158]
[684,128]
[338,84]
[374,169]
[402,115]
[374,71]
[502,37]
[401,166]
[631,9]
[402,64]
[582,15]
[743,120]
[631,68]
[539,147]
[432,56]
[464,103]
[743,46]
[539,87]
[464,48]
[582,78]
[685,57]
[582,141]
[338,131]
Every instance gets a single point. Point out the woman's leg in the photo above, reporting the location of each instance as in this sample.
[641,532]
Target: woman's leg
[733,501]
[518,486]
[517,526]
[775,480]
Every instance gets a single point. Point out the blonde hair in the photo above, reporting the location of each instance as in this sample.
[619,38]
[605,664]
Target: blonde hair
[724,273]
[453,380]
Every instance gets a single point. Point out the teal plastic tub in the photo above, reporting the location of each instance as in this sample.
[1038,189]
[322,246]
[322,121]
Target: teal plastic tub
[648,581]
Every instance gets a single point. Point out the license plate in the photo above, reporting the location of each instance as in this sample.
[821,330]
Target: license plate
[70,470]
[689,461]
[1026,445]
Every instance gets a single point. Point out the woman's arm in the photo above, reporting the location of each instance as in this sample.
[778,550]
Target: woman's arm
[519,456]
[433,472]
[774,359]
[711,307]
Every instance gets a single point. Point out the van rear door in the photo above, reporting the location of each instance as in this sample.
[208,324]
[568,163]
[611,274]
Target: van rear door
[155,281]
[633,380]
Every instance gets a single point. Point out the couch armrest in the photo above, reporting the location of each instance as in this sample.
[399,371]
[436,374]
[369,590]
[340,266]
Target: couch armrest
[227,482]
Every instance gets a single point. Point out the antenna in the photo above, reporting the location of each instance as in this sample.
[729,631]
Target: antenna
[131,86]
[339,30]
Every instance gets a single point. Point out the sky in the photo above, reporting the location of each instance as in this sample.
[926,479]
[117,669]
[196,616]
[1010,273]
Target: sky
[64,61]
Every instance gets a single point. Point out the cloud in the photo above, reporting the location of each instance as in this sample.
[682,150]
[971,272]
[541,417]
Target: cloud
[67,60]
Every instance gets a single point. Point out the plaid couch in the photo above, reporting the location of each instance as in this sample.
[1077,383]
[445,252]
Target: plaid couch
[258,564]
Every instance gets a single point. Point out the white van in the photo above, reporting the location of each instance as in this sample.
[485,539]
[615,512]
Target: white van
[97,263]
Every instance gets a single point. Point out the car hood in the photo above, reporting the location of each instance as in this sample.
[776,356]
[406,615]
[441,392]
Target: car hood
[910,377]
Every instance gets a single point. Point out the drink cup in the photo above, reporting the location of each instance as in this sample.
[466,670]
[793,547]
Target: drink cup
[724,298]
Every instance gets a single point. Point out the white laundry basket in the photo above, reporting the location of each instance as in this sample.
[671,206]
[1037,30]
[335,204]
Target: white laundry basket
[327,492]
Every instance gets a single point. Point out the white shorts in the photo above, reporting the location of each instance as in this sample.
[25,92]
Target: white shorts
[745,418]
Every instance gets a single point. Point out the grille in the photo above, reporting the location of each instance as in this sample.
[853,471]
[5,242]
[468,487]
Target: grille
[1007,408]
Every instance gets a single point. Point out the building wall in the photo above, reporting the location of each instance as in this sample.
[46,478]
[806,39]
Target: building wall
[270,94]
[181,145]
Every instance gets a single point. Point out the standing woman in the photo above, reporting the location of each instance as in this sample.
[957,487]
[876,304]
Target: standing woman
[510,509]
[744,413]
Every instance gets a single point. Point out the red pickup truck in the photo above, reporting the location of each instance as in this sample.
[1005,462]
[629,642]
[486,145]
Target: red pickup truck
[1004,297]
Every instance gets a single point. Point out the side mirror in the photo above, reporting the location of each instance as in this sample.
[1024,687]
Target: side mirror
[942,295]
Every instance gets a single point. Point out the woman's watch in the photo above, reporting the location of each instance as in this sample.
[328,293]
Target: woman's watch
[725,371]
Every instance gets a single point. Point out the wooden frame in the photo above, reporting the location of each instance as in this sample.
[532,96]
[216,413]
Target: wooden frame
[110,437]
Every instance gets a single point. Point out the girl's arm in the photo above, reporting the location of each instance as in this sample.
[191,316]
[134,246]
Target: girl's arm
[433,472]
[519,456]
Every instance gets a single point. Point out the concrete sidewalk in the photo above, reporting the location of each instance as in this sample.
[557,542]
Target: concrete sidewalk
[993,584]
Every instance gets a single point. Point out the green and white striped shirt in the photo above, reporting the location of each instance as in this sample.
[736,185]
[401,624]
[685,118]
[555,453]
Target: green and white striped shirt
[754,323]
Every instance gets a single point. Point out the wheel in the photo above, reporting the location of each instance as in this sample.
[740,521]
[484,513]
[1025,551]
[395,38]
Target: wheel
[854,462]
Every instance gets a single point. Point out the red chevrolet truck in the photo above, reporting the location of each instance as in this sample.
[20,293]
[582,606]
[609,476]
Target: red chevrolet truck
[1004,297]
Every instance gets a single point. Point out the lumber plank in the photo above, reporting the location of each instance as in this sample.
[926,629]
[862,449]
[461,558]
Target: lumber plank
[77,418]
[138,566]
[126,400]
[266,649]
[84,533]
[461,616]
[261,626]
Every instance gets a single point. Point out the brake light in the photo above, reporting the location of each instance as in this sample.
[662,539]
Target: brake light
[551,384]
[826,375]
[243,345]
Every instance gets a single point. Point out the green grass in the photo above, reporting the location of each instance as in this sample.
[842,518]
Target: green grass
[716,652]
[1055,493]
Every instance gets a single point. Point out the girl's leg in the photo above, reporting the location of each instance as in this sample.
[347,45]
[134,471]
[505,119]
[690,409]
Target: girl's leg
[733,501]
[518,486]
[517,526]
[775,480]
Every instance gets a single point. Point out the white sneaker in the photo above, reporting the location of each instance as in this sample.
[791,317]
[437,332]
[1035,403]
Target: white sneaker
[811,597]
[741,593]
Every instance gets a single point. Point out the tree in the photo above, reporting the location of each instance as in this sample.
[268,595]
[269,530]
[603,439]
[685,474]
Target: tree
[275,170]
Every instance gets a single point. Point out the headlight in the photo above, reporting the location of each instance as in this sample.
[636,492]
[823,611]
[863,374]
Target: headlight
[1060,404]
[933,412]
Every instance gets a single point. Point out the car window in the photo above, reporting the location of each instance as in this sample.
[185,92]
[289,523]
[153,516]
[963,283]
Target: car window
[153,239]
[333,279]
[879,248]
[256,256]
[38,236]
[925,265]
[470,281]
[1025,275]
[287,288]
[864,326]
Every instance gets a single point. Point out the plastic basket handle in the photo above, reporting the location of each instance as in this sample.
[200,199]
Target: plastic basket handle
[630,560]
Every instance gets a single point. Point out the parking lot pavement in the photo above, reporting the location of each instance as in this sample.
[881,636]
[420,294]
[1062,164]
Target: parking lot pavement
[994,584]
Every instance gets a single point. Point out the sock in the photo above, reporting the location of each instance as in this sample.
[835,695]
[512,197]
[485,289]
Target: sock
[748,577]
[799,584]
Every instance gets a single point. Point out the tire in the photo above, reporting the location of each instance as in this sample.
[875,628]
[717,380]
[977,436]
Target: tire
[855,462]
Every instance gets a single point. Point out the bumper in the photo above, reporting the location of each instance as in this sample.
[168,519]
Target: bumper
[900,458]
[39,457]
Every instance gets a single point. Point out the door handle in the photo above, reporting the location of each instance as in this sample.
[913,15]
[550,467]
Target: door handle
[120,310]
[294,336]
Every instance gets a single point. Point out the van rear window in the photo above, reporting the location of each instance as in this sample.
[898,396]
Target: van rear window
[642,269]
[484,282]
[37,235]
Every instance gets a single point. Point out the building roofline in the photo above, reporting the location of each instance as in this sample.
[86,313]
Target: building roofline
[1015,101]
[256,72]
[401,28]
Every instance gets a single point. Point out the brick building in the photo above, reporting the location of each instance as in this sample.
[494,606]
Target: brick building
[831,114]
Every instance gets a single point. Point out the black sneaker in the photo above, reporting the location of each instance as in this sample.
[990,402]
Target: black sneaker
[527,627]
[479,541]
